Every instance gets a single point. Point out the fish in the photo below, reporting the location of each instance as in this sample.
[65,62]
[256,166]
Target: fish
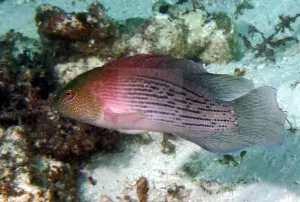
[133,94]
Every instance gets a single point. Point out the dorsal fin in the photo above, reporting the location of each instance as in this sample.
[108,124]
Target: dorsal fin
[221,86]
[156,62]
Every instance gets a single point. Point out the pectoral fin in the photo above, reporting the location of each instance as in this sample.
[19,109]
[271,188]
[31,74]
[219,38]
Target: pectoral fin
[122,119]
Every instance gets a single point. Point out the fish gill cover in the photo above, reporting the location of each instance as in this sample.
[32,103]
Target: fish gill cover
[43,155]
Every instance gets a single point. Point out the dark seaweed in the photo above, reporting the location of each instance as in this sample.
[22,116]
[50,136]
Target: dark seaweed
[241,7]
[24,77]
[182,1]
[269,44]
[164,9]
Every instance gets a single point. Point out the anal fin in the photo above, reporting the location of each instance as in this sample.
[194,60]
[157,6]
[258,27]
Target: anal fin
[223,143]
[119,119]
[132,132]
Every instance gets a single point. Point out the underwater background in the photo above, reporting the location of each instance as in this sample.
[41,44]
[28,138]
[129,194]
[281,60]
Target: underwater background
[45,44]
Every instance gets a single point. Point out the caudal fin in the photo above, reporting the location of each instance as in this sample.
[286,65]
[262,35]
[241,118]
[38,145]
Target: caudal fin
[259,122]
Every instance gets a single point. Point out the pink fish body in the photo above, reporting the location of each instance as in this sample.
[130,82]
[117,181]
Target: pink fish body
[220,113]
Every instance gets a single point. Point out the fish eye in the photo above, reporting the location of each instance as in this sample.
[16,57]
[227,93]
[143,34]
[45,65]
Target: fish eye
[69,94]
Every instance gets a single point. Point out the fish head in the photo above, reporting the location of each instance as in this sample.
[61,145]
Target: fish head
[76,101]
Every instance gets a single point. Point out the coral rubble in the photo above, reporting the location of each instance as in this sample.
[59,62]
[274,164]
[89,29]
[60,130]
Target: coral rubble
[76,32]
[38,145]
[27,84]
[142,189]
[182,30]
[27,177]
[185,31]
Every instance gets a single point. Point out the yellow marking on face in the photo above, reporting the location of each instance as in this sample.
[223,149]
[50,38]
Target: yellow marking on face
[79,104]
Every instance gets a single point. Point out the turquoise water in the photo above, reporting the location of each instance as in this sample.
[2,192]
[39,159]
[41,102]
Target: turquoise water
[47,157]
